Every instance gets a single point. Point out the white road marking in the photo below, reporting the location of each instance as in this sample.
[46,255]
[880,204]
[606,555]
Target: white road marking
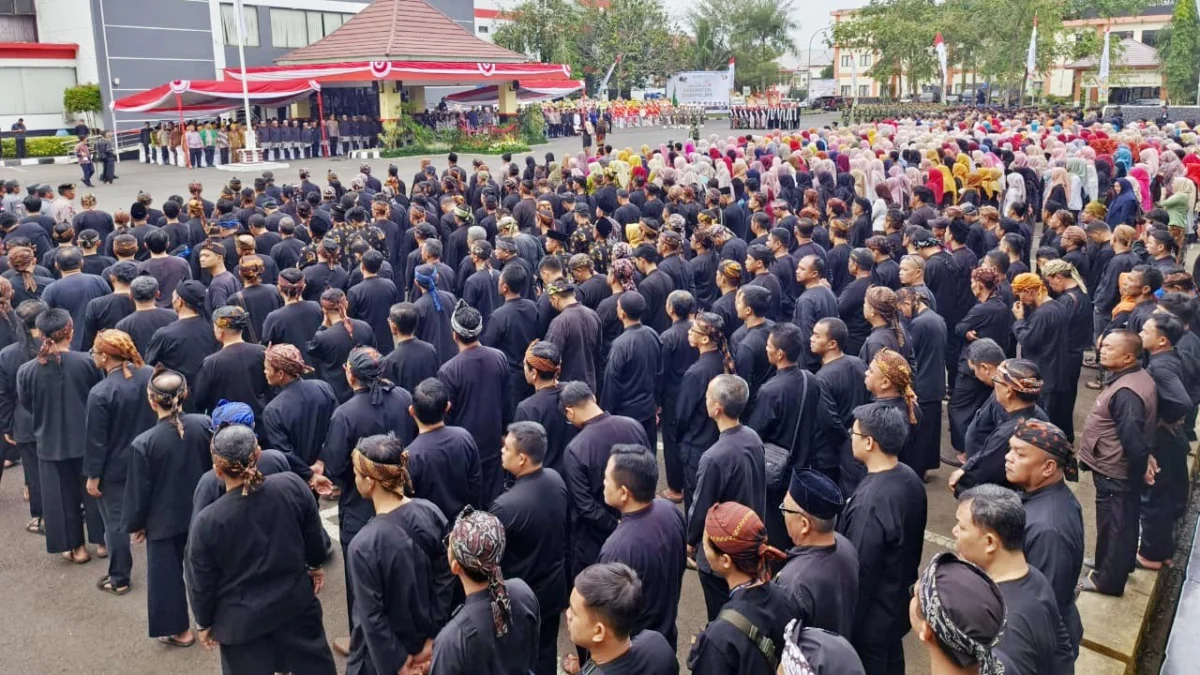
[938,540]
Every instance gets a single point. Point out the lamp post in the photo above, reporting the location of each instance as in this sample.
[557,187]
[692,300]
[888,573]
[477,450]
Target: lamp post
[251,141]
[808,70]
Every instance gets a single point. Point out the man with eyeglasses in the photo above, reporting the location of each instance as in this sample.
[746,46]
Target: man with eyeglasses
[885,520]
[821,573]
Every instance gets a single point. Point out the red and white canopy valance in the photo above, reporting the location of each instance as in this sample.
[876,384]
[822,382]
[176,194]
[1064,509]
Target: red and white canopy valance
[408,71]
[211,97]
[531,91]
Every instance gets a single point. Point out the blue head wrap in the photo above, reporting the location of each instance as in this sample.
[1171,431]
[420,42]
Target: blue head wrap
[426,275]
[232,412]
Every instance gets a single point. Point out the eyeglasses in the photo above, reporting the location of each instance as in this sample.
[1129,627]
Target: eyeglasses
[861,434]
[794,512]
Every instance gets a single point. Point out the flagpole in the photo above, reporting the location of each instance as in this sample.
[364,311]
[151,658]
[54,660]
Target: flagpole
[251,141]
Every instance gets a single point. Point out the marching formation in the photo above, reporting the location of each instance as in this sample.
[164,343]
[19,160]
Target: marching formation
[485,365]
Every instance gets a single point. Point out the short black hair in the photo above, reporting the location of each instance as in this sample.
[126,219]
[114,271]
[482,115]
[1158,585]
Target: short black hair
[515,277]
[170,209]
[613,592]
[404,316]
[836,329]
[1150,276]
[372,261]
[530,439]
[985,350]
[885,424]
[429,401]
[633,304]
[574,393]
[1000,510]
[143,288]
[789,339]
[757,298]
[52,321]
[1169,325]
[157,240]
[635,469]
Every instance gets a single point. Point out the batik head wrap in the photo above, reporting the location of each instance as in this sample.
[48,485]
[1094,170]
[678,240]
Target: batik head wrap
[366,365]
[22,259]
[732,271]
[622,270]
[426,275]
[896,369]
[1025,385]
[1062,268]
[49,348]
[286,359]
[466,321]
[118,344]
[986,276]
[1051,440]
[393,477]
[477,543]
[540,363]
[959,616]
[882,301]
[251,268]
[245,468]
[736,531]
[231,317]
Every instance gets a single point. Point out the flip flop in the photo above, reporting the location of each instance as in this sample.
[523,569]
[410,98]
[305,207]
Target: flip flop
[105,584]
[667,496]
[172,641]
[69,556]
[1093,385]
[100,555]
[36,526]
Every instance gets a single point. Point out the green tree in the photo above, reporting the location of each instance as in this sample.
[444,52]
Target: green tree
[1180,53]
[756,35]
[709,48]
[546,30]
[827,72]
[607,32]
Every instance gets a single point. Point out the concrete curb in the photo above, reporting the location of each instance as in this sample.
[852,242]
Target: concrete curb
[35,161]
[373,153]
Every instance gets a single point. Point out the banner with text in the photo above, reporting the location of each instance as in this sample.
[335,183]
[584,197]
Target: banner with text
[708,88]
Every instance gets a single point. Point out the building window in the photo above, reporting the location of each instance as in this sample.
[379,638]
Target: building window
[864,60]
[229,25]
[19,7]
[847,60]
[34,91]
[289,28]
[482,29]
[864,90]
[845,90]
[1150,38]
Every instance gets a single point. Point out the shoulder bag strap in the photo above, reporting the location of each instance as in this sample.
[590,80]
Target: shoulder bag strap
[765,645]
[804,375]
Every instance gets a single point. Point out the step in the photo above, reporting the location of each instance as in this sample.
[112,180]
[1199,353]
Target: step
[1094,663]
[1114,626]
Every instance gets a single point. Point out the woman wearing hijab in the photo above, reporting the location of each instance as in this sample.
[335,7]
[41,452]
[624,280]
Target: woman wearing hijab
[270,619]
[1125,206]
[1140,178]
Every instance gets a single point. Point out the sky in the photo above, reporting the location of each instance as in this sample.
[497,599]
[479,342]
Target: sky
[812,15]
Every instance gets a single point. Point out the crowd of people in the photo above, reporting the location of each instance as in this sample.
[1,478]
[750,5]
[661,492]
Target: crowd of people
[785,116]
[198,144]
[481,364]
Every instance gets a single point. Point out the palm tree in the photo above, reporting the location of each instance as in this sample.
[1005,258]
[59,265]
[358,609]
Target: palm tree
[710,51]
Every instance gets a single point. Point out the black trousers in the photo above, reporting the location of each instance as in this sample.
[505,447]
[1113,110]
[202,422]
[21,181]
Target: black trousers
[547,656]
[672,457]
[650,426]
[194,156]
[928,446]
[716,592]
[1117,504]
[492,475]
[166,155]
[33,477]
[112,510]
[881,656]
[968,396]
[224,155]
[691,470]
[209,153]
[1166,501]
[334,146]
[166,595]
[66,507]
[298,647]
[1060,406]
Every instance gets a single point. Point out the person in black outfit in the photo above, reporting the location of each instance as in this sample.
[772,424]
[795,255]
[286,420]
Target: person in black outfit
[264,615]
[542,365]
[606,604]
[535,513]
[53,388]
[677,356]
[296,421]
[853,295]
[655,286]
[885,520]
[821,572]
[749,343]
[497,627]
[372,298]
[334,340]
[165,465]
[512,327]
[411,360]
[108,310]
[148,317]
[634,367]
[651,537]
[396,615]
[735,547]
[183,346]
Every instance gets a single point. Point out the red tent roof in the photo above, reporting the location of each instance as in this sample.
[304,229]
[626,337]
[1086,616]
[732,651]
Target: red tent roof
[400,30]
[531,91]
[211,97]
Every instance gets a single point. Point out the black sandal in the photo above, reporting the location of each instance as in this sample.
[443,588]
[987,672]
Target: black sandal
[172,641]
[105,584]
[36,526]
